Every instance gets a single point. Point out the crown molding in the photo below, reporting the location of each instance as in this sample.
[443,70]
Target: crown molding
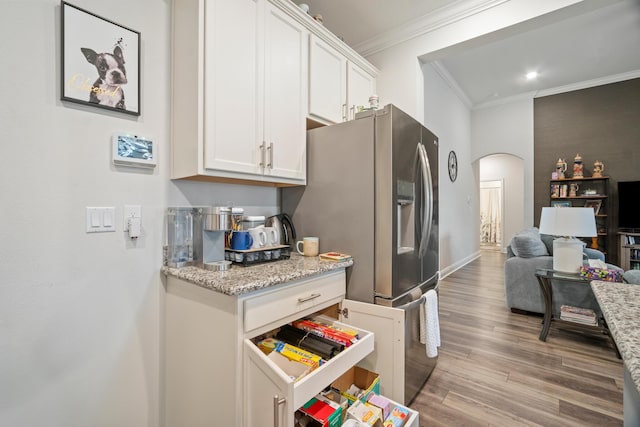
[450,81]
[590,83]
[615,78]
[439,18]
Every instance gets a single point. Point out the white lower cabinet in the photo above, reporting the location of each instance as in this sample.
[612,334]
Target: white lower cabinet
[214,373]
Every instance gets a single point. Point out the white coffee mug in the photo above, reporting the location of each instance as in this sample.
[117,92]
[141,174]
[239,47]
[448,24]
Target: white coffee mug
[310,246]
[272,236]
[259,237]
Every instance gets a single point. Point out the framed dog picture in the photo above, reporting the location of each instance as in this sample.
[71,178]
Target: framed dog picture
[100,62]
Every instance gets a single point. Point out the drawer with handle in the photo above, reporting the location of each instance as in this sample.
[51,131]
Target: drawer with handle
[285,304]
[271,394]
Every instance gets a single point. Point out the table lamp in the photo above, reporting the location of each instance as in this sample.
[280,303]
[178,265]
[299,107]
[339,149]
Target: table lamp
[568,223]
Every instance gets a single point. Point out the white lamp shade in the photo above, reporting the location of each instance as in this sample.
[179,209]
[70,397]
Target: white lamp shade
[570,222]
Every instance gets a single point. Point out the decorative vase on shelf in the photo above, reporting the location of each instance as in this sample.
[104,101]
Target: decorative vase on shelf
[577,167]
[561,168]
[573,189]
[598,168]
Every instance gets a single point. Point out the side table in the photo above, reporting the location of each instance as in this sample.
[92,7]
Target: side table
[545,276]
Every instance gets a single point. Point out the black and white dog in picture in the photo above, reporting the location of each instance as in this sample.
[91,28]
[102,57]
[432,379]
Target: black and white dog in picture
[107,90]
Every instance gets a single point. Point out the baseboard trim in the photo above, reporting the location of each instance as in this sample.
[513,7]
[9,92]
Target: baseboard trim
[458,265]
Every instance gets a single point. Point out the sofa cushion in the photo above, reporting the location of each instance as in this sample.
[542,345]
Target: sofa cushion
[632,276]
[548,239]
[527,244]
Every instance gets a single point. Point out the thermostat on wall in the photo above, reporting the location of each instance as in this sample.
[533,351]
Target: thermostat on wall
[133,150]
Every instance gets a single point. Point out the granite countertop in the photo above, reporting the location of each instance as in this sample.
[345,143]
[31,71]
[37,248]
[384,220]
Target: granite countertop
[620,304]
[241,280]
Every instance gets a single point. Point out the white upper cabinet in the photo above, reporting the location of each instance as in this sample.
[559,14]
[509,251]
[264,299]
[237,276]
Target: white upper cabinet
[327,82]
[285,96]
[232,123]
[337,86]
[239,93]
[240,89]
[360,86]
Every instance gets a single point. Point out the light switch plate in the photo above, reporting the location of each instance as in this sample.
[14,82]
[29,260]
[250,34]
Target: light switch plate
[100,219]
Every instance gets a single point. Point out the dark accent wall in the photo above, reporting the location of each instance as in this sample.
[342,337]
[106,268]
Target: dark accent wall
[601,123]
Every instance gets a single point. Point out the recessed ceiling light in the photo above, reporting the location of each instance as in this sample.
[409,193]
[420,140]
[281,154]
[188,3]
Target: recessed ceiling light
[532,75]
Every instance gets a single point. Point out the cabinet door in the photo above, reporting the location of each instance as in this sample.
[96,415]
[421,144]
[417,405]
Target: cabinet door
[388,326]
[327,82]
[232,128]
[360,86]
[285,95]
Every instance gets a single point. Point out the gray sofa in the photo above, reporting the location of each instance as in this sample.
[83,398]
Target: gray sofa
[529,251]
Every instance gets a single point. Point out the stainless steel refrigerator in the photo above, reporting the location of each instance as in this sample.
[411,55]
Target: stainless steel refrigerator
[372,192]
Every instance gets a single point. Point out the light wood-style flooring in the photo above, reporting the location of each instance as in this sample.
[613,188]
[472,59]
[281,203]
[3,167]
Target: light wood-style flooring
[493,371]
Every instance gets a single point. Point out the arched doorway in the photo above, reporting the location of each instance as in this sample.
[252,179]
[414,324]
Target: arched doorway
[501,190]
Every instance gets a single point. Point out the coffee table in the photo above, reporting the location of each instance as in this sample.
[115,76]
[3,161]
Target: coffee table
[545,276]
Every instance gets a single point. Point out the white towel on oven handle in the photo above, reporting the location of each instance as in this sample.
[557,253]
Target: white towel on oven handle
[429,323]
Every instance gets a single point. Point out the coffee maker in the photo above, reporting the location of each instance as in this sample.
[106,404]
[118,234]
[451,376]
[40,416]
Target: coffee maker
[196,236]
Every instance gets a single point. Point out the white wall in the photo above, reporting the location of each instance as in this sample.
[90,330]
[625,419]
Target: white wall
[448,117]
[508,129]
[81,314]
[509,170]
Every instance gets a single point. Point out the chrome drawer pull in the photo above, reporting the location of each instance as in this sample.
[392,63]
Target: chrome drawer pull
[309,298]
[277,401]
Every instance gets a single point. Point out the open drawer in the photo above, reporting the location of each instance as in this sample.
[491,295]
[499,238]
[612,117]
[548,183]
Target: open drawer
[272,396]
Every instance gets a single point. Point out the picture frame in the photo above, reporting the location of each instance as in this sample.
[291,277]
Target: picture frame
[561,203]
[595,204]
[100,62]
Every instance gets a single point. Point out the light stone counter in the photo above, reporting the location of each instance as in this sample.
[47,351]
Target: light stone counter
[241,280]
[620,304]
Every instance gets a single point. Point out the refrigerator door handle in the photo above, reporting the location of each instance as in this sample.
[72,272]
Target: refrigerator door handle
[412,304]
[427,204]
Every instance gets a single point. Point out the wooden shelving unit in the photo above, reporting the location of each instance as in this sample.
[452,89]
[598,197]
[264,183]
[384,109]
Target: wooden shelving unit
[559,191]
[629,250]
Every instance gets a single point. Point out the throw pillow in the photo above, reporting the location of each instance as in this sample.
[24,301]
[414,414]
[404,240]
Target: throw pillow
[527,244]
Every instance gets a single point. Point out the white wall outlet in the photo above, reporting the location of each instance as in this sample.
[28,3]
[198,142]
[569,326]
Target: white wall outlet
[130,212]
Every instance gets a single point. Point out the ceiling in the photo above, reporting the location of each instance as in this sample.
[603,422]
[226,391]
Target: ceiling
[582,46]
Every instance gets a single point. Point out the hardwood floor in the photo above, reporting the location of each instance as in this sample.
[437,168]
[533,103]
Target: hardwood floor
[493,371]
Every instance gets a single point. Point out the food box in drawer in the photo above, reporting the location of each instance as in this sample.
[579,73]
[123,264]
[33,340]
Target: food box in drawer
[397,416]
[366,382]
[303,389]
